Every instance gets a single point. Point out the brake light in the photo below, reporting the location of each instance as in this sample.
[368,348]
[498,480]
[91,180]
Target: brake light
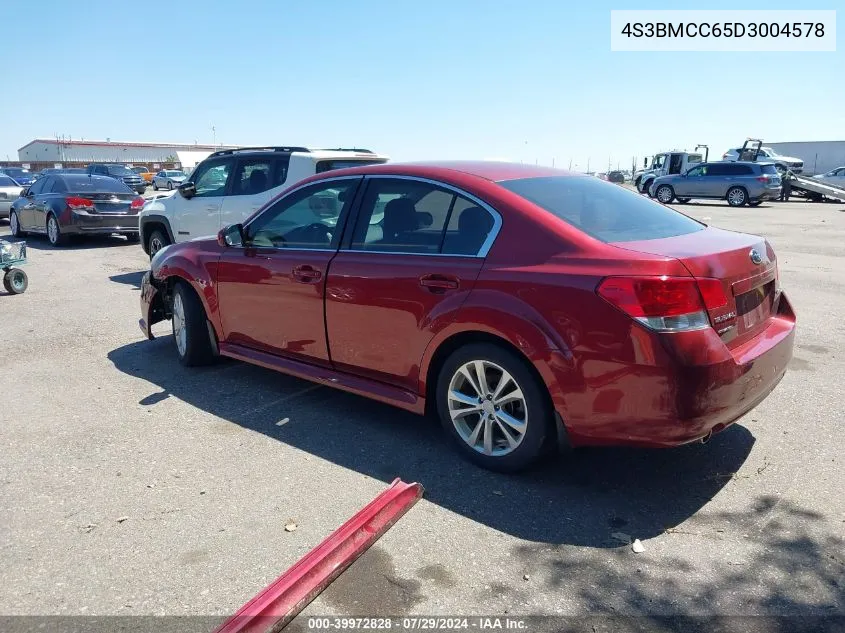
[137,203]
[665,303]
[79,203]
[763,178]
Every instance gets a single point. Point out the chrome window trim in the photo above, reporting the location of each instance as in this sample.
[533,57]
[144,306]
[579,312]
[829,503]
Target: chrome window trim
[485,247]
[285,196]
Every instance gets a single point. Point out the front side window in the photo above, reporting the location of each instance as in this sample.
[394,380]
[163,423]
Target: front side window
[697,171]
[306,219]
[409,216]
[603,210]
[210,178]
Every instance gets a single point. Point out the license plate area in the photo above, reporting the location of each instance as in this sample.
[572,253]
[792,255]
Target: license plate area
[755,306]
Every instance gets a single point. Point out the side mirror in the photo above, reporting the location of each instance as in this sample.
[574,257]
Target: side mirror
[188,190]
[232,235]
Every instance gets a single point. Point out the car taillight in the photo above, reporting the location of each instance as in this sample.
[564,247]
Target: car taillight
[665,303]
[763,178]
[79,203]
[137,203]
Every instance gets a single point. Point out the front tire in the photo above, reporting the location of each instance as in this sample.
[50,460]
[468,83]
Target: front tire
[156,242]
[664,194]
[646,187]
[169,186]
[155,186]
[54,231]
[493,407]
[15,225]
[190,333]
[737,196]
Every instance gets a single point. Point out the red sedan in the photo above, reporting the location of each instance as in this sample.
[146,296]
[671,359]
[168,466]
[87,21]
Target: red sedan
[524,305]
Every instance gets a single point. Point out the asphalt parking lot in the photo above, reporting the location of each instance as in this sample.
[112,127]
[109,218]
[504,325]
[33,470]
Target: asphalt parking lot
[132,485]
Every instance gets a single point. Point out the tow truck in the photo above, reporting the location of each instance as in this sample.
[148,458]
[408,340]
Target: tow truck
[665,163]
[811,188]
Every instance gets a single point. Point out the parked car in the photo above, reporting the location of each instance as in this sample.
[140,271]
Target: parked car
[23,177]
[616,176]
[9,192]
[119,172]
[597,317]
[834,176]
[739,183]
[767,154]
[230,185]
[62,205]
[168,179]
[144,173]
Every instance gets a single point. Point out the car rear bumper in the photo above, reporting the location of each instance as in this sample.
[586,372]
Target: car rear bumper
[699,387]
[81,222]
[152,305]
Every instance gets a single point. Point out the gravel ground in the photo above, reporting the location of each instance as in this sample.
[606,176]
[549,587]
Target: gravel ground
[131,485]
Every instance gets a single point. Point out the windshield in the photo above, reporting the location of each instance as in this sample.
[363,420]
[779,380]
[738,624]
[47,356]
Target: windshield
[174,173]
[139,170]
[120,170]
[658,161]
[603,210]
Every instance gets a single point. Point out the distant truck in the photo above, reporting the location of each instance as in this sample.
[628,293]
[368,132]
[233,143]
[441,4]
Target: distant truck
[665,164]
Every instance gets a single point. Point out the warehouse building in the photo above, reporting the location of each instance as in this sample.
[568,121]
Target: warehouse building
[819,156]
[68,152]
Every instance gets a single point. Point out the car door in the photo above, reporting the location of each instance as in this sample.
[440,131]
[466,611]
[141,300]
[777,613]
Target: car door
[272,288]
[254,183]
[27,209]
[199,215]
[401,273]
[714,183]
[691,184]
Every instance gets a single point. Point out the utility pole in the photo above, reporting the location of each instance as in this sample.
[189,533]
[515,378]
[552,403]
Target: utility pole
[214,135]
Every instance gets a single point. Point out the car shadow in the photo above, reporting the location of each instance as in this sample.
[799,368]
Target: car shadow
[131,279]
[75,243]
[579,498]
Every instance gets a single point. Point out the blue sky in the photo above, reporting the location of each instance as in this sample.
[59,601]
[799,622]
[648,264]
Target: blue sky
[521,80]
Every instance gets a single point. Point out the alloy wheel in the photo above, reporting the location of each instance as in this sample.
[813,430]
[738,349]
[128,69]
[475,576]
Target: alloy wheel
[180,331]
[736,197]
[13,224]
[487,408]
[664,194]
[52,230]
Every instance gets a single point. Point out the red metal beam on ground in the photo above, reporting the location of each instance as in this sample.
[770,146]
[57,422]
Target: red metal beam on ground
[290,593]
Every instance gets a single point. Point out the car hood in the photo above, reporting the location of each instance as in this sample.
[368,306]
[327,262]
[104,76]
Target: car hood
[668,180]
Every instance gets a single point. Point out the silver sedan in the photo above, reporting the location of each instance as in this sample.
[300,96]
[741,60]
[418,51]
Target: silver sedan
[9,192]
[168,179]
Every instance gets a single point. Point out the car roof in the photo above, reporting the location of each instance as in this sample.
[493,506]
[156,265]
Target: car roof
[493,171]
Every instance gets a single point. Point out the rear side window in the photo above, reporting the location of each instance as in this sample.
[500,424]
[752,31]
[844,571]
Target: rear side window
[603,210]
[84,183]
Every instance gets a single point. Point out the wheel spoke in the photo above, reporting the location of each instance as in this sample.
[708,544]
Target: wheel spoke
[482,378]
[488,436]
[472,383]
[473,438]
[512,441]
[503,382]
[511,396]
[464,399]
[507,418]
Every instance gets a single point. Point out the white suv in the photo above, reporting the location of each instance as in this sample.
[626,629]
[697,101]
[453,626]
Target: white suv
[230,185]
[770,156]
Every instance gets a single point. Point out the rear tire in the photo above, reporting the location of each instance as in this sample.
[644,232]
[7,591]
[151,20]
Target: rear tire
[664,194]
[190,332]
[15,281]
[15,225]
[737,196]
[513,434]
[156,242]
[54,231]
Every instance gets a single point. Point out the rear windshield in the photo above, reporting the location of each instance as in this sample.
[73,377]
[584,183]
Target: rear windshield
[328,165]
[173,173]
[605,211]
[769,169]
[79,184]
[119,170]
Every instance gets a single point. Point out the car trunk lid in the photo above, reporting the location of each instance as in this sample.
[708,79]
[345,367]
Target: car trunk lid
[745,265]
[108,202]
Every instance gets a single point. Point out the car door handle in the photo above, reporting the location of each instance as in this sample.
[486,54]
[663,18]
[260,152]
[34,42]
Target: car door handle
[439,282]
[306,274]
